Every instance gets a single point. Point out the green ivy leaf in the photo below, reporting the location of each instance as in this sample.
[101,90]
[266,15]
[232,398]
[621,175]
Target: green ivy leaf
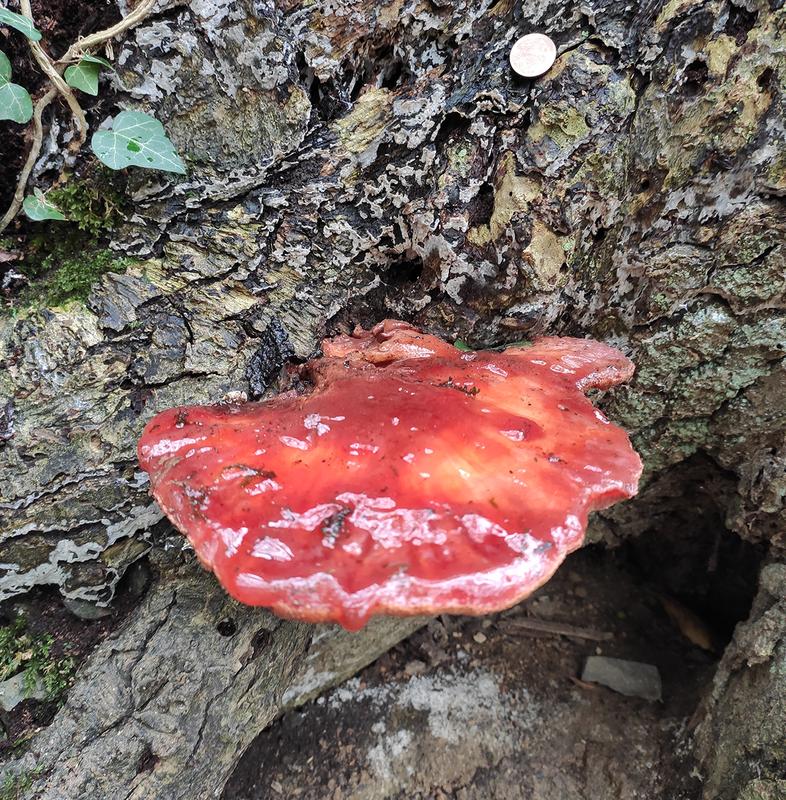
[96,60]
[83,76]
[21,23]
[15,102]
[5,68]
[38,208]
[136,140]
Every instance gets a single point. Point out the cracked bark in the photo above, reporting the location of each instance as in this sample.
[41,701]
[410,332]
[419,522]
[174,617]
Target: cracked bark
[350,161]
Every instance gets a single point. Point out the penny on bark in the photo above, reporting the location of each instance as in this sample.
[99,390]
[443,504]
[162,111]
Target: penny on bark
[532,55]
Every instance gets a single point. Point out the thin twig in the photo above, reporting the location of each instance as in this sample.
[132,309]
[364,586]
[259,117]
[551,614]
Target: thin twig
[558,628]
[93,40]
[56,79]
[32,156]
[59,86]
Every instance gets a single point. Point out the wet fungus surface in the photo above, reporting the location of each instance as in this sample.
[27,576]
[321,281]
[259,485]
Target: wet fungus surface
[413,478]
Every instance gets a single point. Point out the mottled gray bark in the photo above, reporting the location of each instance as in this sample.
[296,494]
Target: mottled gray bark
[742,739]
[165,706]
[350,161]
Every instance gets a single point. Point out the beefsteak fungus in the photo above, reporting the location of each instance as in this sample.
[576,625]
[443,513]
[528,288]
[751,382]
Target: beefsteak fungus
[413,478]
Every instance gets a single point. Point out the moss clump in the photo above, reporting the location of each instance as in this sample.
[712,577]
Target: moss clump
[63,260]
[14,786]
[95,203]
[21,651]
[72,278]
[63,276]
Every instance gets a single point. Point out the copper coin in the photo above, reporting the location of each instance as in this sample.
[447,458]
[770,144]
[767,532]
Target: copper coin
[532,55]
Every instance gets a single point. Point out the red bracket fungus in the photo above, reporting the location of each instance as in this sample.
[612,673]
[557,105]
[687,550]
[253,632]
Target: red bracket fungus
[413,478]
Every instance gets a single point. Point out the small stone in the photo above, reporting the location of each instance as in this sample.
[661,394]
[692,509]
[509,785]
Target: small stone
[631,678]
[12,692]
[84,610]
[415,667]
[479,637]
[277,787]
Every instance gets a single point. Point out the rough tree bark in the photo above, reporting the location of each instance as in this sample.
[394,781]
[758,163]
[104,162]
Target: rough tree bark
[355,160]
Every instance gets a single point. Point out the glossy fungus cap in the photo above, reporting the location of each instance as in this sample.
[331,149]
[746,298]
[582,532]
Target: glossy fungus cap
[413,478]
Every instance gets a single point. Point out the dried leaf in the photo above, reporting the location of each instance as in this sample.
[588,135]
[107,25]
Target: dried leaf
[691,626]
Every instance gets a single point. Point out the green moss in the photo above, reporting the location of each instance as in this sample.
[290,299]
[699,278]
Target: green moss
[21,651]
[73,278]
[63,260]
[94,203]
[13,787]
[62,276]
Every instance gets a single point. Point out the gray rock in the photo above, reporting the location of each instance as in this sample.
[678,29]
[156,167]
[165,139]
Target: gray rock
[85,610]
[12,692]
[631,678]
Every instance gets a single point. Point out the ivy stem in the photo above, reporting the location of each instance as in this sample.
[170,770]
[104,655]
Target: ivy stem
[56,79]
[59,86]
[32,156]
[93,40]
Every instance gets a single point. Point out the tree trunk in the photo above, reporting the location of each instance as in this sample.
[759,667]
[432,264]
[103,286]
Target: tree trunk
[350,161]
[741,741]
[164,708]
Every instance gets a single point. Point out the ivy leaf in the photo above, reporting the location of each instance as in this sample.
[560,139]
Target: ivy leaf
[136,140]
[38,208]
[5,68]
[83,76]
[21,23]
[15,102]
[96,60]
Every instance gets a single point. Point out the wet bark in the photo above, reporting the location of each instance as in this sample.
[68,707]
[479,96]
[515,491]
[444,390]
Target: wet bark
[350,161]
